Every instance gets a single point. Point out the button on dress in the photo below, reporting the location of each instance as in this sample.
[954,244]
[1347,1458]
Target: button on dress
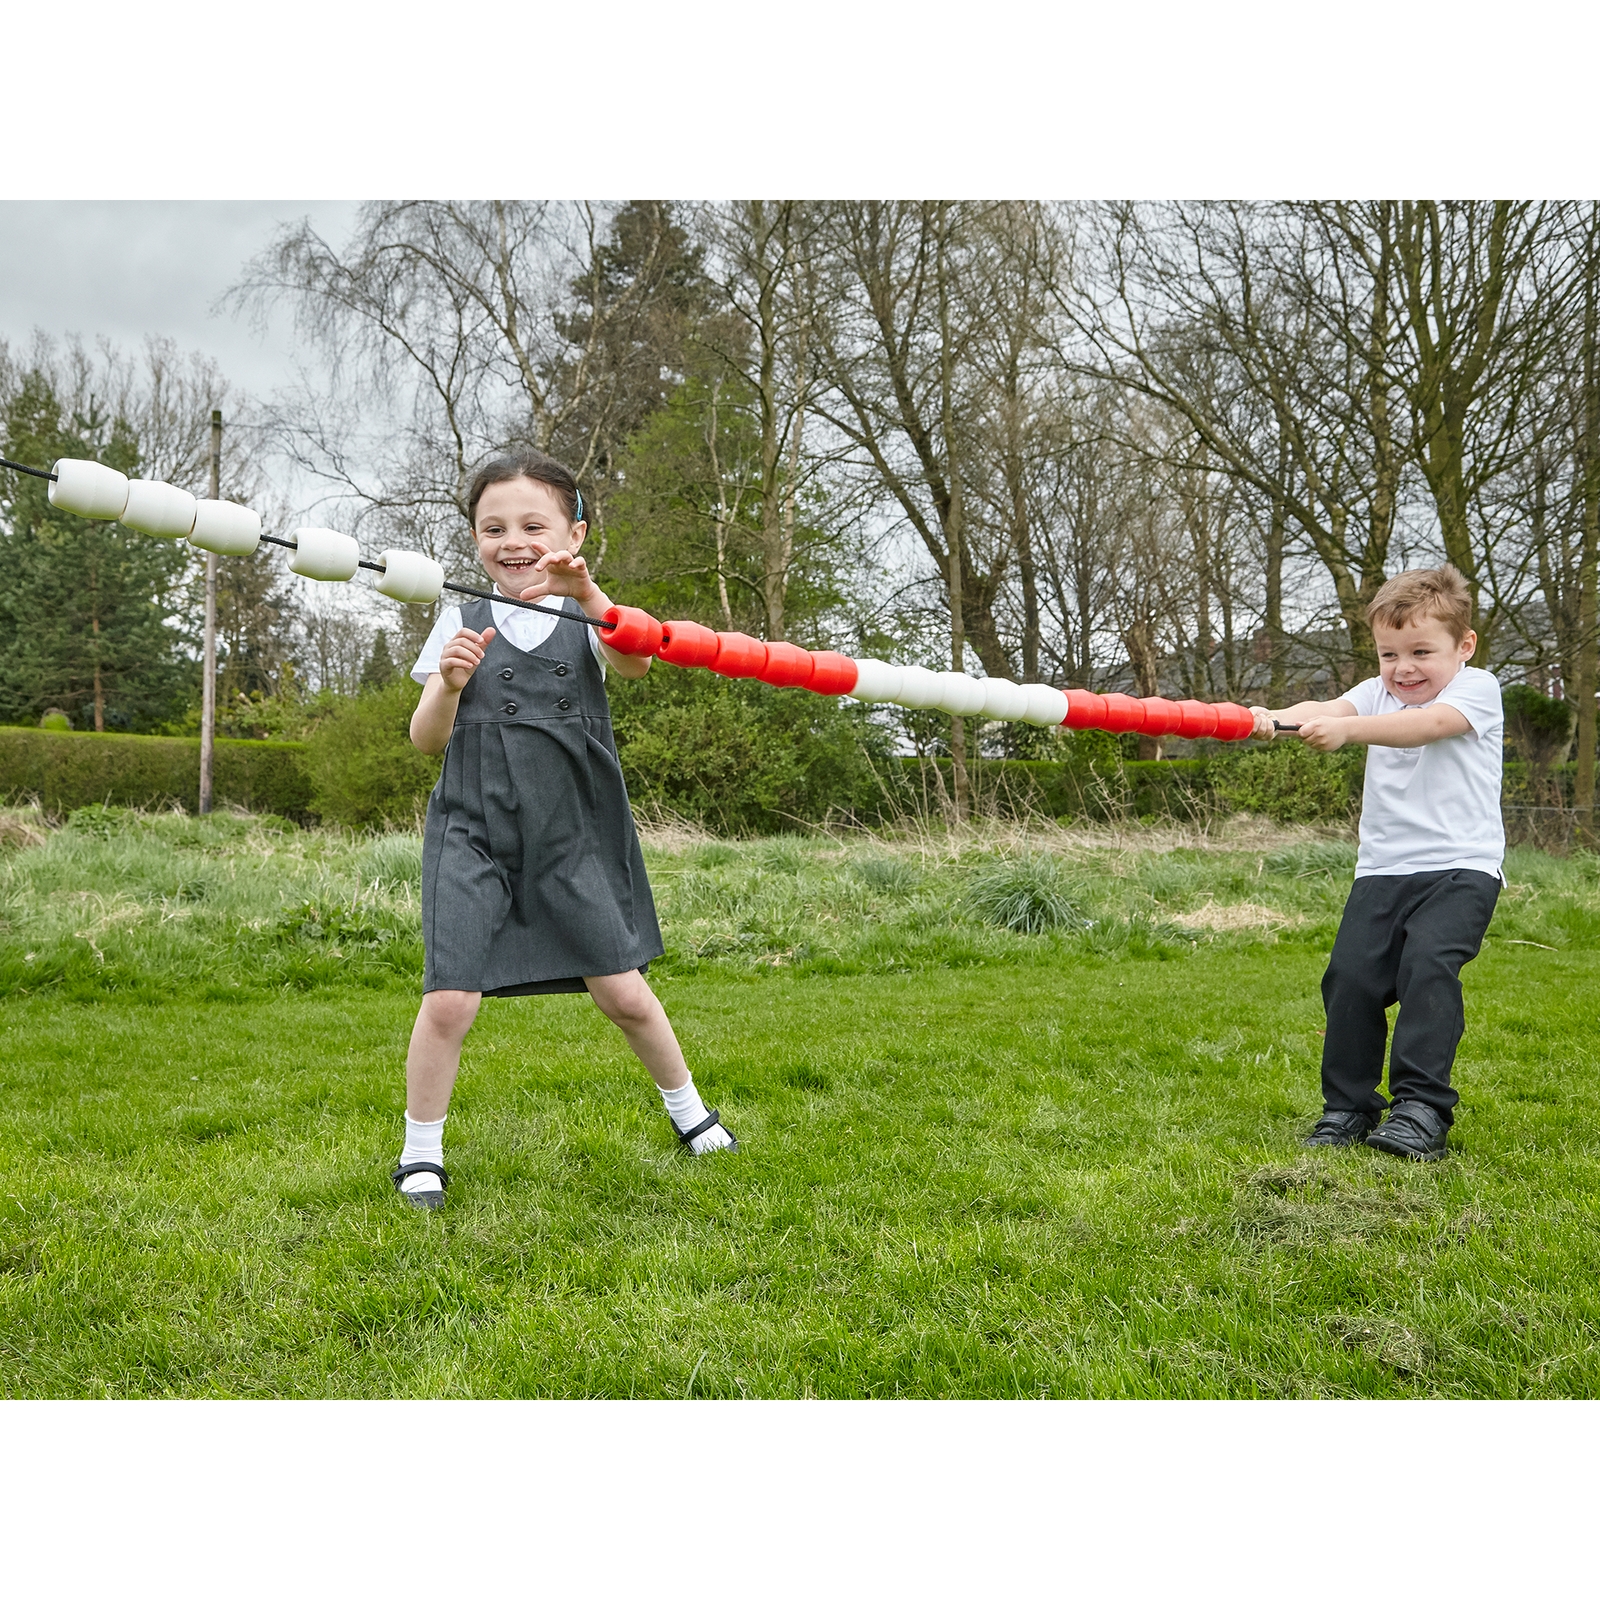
[532,876]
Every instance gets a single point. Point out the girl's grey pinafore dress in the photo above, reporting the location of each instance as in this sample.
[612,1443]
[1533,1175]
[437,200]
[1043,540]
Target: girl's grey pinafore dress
[532,878]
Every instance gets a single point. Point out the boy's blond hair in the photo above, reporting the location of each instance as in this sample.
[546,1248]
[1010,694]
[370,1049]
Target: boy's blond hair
[1437,592]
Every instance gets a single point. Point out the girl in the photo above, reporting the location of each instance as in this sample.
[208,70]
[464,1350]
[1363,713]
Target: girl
[532,879]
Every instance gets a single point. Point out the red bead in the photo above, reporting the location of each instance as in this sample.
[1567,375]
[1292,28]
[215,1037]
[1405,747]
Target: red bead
[1123,714]
[1235,722]
[739,656]
[831,673]
[631,632]
[787,665]
[1085,710]
[687,644]
[1160,716]
[1199,721]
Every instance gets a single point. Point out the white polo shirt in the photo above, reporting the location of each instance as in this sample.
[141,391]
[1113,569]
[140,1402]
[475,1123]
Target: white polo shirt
[527,630]
[1435,808]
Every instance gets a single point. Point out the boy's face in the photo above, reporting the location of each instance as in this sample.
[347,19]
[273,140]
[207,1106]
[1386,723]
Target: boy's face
[519,521]
[1418,660]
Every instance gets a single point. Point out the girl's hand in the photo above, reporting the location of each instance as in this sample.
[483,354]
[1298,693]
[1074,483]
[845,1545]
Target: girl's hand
[1326,734]
[560,572]
[460,657]
[1264,728]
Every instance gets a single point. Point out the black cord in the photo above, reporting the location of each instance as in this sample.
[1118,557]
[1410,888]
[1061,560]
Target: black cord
[527,605]
[33,472]
[459,588]
[1287,727]
[376,566]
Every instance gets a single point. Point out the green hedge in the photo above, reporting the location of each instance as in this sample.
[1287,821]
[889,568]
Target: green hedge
[742,759]
[1069,789]
[66,770]
[361,763]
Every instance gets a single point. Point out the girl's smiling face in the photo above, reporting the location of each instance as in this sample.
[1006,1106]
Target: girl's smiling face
[519,521]
[1418,660]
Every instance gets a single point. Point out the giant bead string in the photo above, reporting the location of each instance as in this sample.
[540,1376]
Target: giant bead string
[89,489]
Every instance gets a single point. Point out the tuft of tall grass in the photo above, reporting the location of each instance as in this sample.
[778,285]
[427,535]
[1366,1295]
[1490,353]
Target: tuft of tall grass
[394,861]
[1029,894]
[1316,858]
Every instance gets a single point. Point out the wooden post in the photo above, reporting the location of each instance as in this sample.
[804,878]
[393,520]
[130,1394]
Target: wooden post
[208,686]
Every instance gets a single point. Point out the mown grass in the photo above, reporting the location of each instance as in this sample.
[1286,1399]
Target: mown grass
[976,1161]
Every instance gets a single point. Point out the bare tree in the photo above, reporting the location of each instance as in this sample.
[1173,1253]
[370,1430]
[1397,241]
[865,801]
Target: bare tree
[763,256]
[451,329]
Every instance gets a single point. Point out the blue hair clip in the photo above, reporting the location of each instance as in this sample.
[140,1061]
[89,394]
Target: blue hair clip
[579,492]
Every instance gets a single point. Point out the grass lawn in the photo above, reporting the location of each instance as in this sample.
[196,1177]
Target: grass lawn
[976,1161]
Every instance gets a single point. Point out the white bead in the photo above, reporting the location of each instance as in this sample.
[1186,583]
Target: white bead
[225,528]
[410,576]
[919,689]
[1004,700]
[875,681]
[87,489]
[960,695]
[322,554]
[1046,708]
[159,509]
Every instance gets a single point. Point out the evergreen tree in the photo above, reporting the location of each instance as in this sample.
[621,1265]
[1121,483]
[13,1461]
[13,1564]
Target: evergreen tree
[380,669]
[630,328]
[685,519]
[86,618]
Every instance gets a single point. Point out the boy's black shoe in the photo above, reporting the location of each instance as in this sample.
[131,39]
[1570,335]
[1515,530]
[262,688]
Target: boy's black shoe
[1413,1129]
[1342,1127]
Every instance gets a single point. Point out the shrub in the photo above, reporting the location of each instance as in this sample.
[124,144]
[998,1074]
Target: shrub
[1091,783]
[363,767]
[1028,894]
[745,758]
[65,771]
[1538,727]
[1181,788]
[1539,733]
[1290,782]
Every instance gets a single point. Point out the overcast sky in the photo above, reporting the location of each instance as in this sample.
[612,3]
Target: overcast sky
[125,268]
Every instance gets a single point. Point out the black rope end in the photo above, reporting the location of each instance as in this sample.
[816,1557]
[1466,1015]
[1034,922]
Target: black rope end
[32,472]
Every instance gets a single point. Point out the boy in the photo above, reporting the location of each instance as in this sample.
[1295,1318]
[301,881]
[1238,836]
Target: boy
[1428,872]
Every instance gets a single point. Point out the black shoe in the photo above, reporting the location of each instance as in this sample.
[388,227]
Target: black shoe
[1342,1127]
[713,1120]
[1412,1129]
[422,1199]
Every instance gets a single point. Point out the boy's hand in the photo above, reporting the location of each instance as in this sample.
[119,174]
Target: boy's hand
[1326,734]
[460,657]
[560,572]
[1264,728]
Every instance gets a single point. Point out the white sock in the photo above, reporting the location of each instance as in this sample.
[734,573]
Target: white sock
[688,1110]
[424,1142]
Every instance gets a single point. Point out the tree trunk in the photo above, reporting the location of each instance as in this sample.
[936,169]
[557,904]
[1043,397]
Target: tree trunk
[953,527]
[791,487]
[1277,645]
[723,516]
[1588,644]
[1140,643]
[774,568]
[99,686]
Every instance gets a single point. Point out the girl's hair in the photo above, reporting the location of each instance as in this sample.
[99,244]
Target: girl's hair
[1439,592]
[527,464]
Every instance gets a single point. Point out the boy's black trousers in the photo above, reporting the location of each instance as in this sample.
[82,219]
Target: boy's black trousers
[1406,939]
